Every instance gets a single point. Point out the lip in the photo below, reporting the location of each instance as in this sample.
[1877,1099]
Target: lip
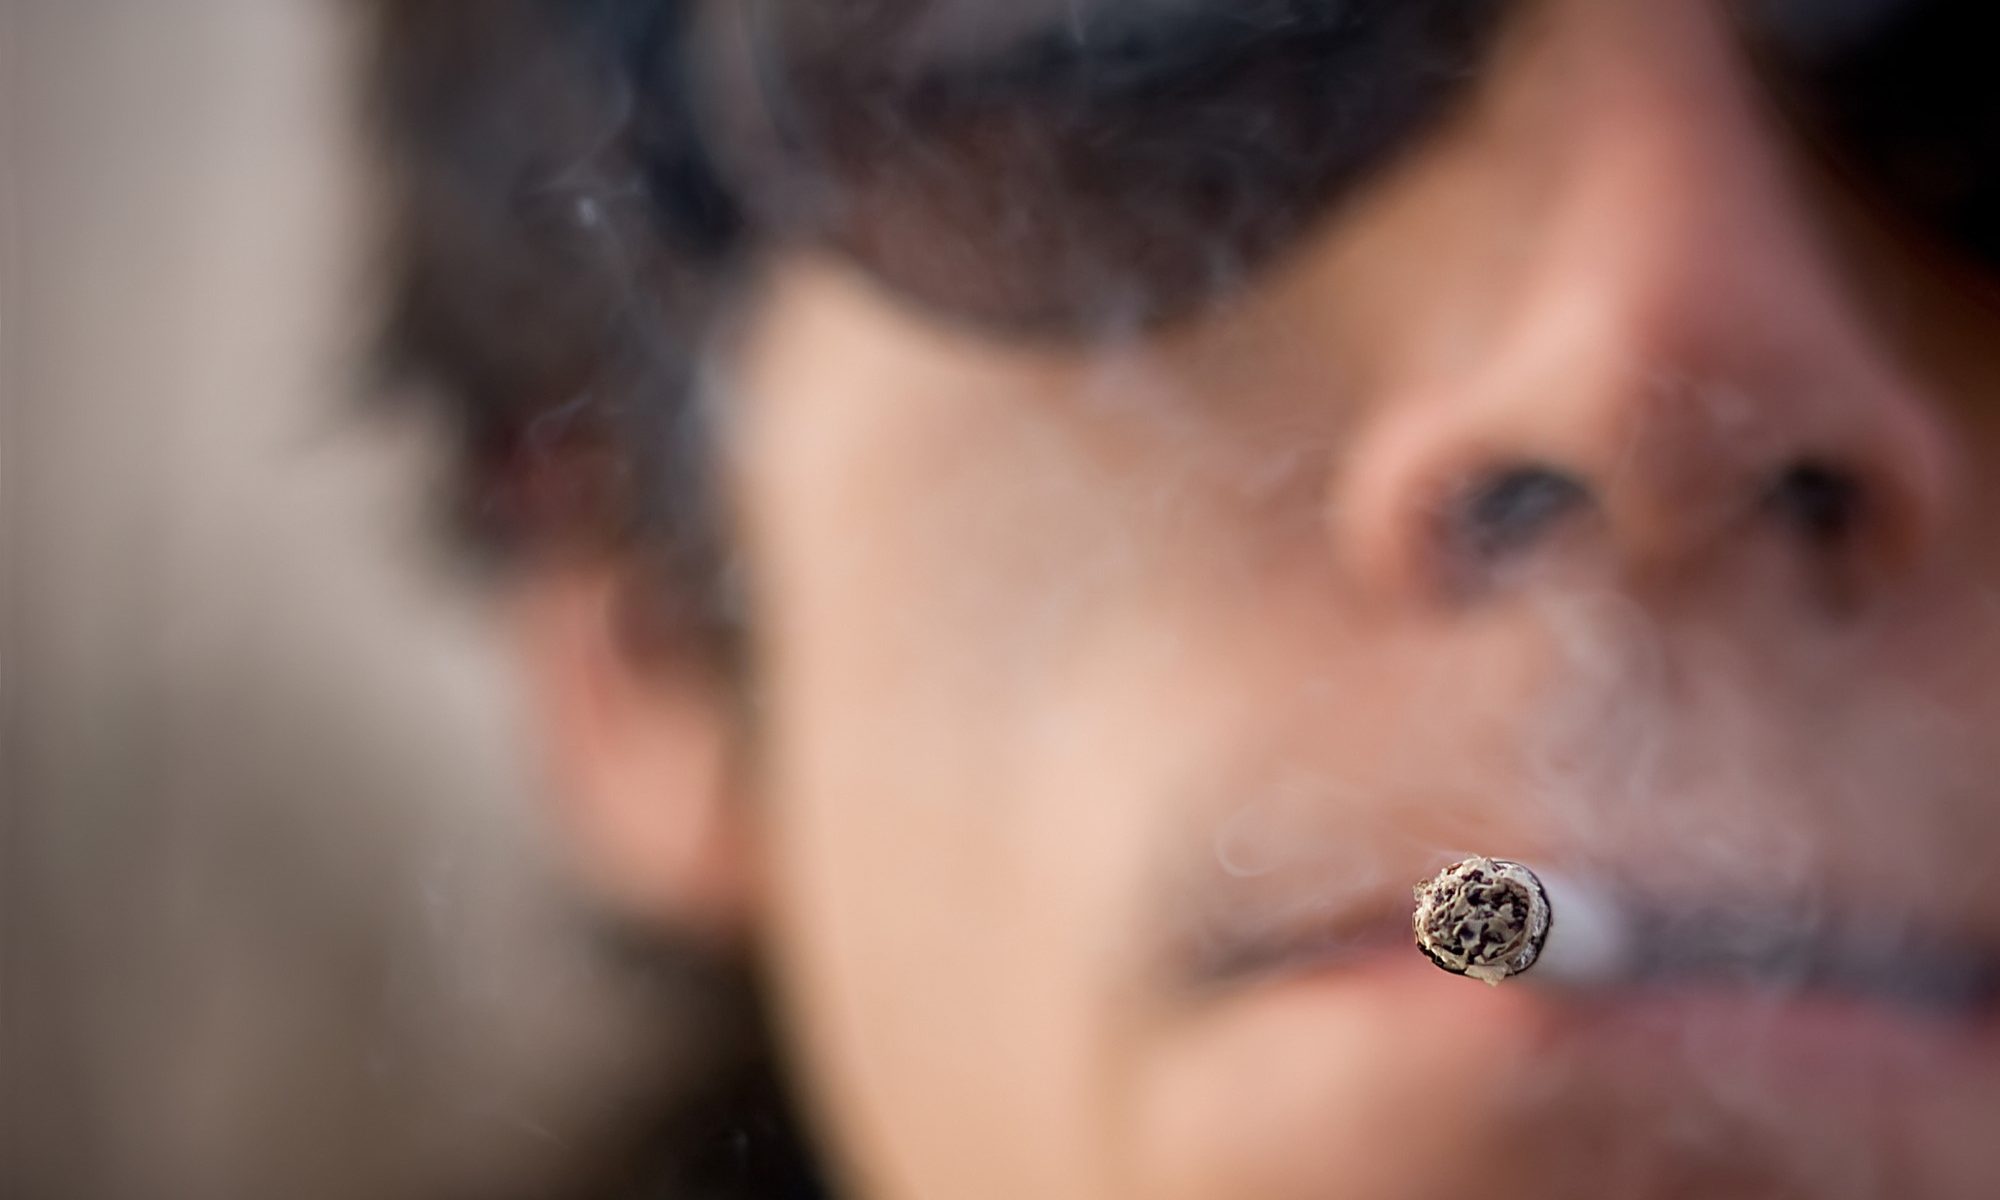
[1813,1046]
[1364,939]
[1799,1034]
[1786,1017]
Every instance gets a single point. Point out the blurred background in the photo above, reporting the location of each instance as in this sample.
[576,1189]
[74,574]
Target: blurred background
[276,917]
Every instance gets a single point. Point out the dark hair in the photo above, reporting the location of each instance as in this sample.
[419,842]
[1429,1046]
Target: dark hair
[558,250]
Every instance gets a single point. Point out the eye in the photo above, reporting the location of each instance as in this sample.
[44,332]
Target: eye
[1904,95]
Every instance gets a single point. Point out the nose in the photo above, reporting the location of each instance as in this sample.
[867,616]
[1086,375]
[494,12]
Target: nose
[1678,373]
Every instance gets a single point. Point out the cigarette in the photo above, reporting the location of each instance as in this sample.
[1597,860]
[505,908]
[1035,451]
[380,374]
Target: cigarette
[1492,919]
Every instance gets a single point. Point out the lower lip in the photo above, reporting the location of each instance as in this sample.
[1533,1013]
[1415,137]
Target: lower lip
[1800,1035]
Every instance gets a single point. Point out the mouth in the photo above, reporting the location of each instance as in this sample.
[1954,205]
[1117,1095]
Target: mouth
[1827,1034]
[1762,1063]
[1931,973]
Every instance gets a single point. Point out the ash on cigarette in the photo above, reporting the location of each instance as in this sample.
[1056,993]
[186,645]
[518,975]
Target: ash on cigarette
[1485,918]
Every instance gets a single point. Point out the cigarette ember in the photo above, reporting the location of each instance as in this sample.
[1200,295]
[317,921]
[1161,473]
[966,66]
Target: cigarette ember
[1484,918]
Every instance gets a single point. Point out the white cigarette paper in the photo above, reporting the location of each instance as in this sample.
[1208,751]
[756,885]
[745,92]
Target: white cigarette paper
[1492,919]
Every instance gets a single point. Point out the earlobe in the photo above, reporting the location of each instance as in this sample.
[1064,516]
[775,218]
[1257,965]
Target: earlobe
[641,751]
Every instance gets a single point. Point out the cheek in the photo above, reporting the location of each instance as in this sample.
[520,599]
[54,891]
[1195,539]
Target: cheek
[951,780]
[936,885]
[981,635]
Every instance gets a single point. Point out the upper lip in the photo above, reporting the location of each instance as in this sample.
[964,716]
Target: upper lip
[1252,942]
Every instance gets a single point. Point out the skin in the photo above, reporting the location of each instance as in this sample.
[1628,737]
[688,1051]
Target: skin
[1077,669]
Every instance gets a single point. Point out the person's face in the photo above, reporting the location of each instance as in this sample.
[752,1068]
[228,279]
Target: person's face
[1606,483]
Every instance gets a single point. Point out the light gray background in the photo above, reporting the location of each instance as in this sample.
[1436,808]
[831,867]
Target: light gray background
[277,916]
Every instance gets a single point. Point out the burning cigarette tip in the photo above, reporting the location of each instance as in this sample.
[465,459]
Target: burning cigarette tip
[1484,918]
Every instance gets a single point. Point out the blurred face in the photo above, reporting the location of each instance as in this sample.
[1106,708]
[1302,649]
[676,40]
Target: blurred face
[1151,582]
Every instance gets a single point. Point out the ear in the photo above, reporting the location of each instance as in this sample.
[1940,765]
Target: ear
[641,749]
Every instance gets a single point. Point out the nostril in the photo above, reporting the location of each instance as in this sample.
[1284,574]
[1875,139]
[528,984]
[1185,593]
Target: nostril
[1507,511]
[1821,502]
